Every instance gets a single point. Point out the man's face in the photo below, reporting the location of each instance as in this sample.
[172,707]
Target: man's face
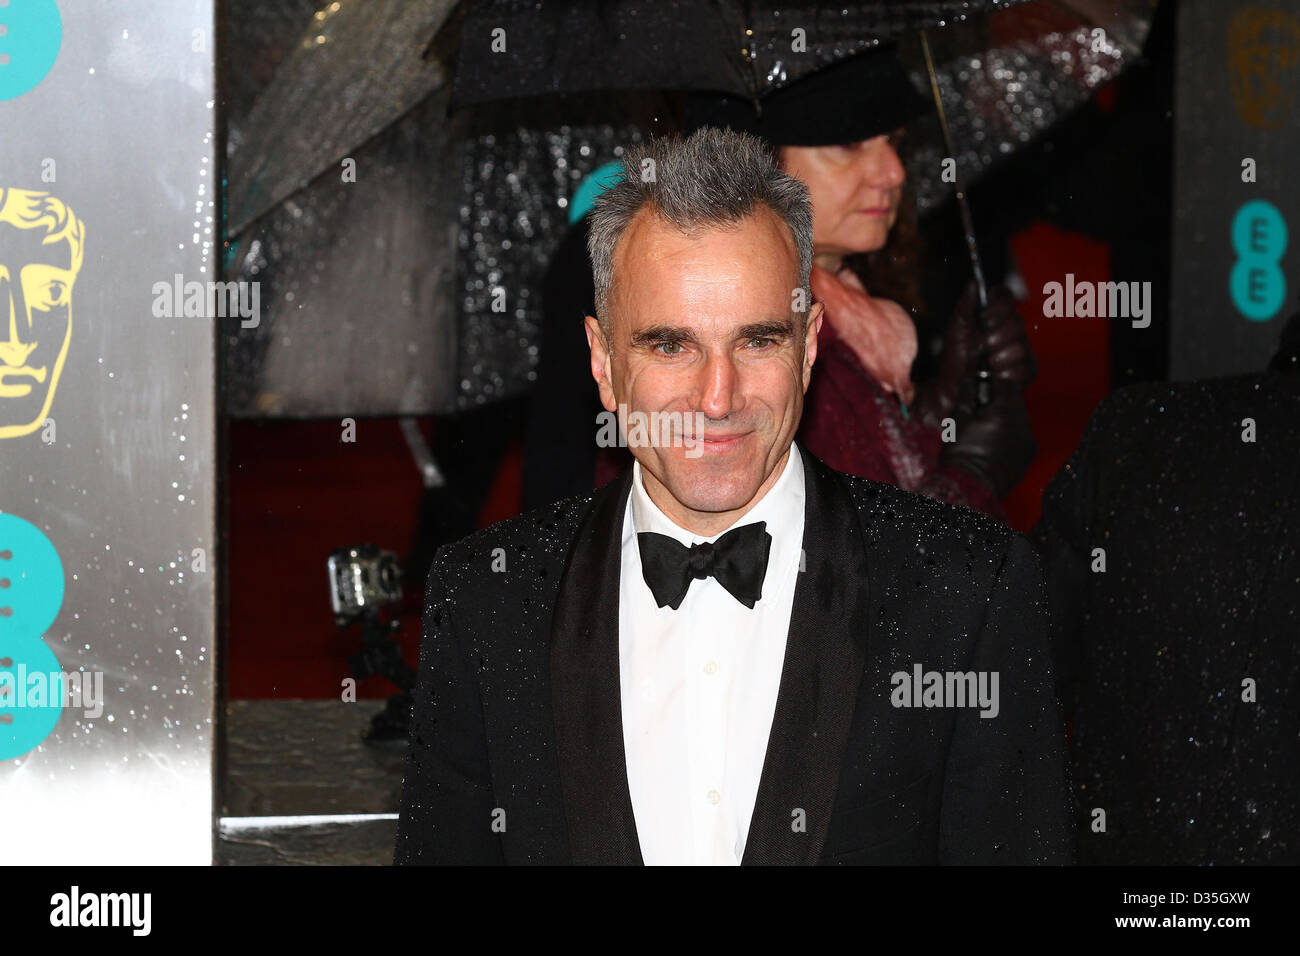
[706,323]
[35,325]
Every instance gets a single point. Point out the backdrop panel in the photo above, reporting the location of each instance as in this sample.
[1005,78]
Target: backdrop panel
[107,490]
[1237,133]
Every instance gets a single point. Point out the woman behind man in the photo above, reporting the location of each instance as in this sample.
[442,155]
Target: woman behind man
[836,130]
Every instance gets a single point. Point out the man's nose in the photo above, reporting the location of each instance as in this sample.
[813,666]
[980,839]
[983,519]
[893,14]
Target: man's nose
[717,386]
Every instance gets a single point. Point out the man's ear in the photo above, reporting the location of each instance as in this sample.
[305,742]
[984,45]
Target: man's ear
[811,328]
[601,363]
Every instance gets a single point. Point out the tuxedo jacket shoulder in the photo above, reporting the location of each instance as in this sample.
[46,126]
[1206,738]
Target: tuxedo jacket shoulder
[1193,489]
[517,751]
[520,561]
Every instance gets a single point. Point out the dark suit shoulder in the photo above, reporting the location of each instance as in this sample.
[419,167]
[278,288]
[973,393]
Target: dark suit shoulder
[1180,431]
[890,513]
[1129,408]
[534,544]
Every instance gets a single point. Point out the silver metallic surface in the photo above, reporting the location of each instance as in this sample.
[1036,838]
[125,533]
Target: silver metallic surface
[358,313]
[122,483]
[302,788]
[358,266]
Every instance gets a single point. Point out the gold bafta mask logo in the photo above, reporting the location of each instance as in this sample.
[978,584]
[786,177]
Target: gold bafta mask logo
[41,245]
[1264,65]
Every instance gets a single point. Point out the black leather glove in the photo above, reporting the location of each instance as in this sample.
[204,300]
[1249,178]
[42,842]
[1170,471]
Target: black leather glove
[1005,343]
[995,444]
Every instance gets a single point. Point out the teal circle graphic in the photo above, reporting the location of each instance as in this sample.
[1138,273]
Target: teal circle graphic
[1257,283]
[31,32]
[34,574]
[1258,289]
[33,719]
[31,593]
[1259,231]
[589,190]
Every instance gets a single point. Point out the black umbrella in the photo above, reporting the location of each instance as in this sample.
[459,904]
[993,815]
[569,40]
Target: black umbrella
[1002,73]
[1002,85]
[513,48]
[1001,90]
[380,289]
[357,268]
[357,67]
[1008,77]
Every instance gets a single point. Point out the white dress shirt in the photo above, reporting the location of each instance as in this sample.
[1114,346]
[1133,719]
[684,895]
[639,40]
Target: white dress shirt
[699,684]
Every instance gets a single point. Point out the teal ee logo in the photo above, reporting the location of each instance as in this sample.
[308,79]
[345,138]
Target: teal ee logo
[31,593]
[1259,238]
[31,33]
[590,189]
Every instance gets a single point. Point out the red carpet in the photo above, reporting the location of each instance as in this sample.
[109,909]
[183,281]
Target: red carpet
[297,492]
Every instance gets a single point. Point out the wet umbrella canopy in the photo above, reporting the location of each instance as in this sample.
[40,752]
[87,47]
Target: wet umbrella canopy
[357,268]
[1008,78]
[407,288]
[353,70]
[419,280]
[512,48]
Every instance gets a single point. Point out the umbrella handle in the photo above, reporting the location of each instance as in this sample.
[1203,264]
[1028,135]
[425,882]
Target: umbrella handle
[983,383]
[984,380]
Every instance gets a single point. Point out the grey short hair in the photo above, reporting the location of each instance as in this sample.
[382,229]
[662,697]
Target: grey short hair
[711,178]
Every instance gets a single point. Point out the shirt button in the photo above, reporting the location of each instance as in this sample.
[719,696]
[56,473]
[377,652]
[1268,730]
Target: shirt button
[714,797]
[711,667]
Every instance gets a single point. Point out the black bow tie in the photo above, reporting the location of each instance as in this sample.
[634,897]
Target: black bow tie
[738,560]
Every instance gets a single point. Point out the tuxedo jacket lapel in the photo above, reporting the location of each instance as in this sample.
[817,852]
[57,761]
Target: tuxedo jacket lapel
[586,695]
[824,658]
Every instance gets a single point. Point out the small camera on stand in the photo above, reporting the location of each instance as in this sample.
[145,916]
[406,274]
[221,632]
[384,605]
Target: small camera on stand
[364,580]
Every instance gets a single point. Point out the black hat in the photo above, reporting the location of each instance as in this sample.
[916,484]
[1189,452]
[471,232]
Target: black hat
[855,99]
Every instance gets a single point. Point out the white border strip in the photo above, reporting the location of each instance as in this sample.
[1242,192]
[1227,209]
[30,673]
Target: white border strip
[236,824]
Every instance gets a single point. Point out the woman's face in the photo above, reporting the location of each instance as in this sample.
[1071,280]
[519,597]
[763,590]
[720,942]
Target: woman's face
[855,191]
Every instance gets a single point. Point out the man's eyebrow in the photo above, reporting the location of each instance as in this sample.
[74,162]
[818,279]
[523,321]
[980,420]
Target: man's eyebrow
[662,333]
[771,329]
[656,334]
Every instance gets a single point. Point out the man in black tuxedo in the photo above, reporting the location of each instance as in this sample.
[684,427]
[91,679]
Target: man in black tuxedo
[732,654]
[1171,561]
